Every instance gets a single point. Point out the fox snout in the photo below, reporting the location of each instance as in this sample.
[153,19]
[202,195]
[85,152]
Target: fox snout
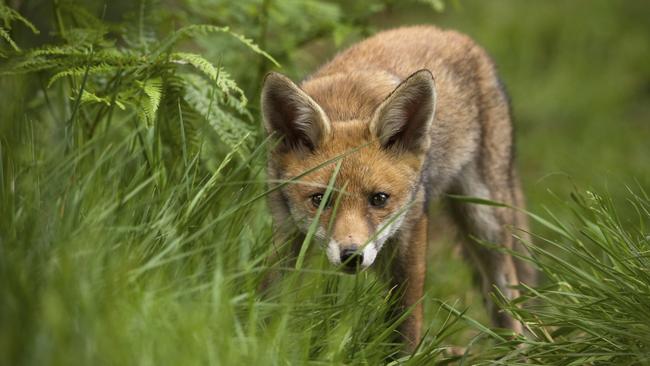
[348,243]
[351,257]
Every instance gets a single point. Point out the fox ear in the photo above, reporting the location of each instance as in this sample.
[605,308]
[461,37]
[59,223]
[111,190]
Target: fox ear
[402,121]
[288,111]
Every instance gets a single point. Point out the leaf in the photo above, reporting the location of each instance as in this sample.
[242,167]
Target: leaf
[102,68]
[204,29]
[197,61]
[64,50]
[89,97]
[8,14]
[5,35]
[152,88]
[227,125]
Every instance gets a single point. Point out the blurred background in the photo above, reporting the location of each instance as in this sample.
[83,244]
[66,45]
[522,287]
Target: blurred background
[130,143]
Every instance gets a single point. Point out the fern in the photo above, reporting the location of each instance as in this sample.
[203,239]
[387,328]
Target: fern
[153,82]
[152,88]
[218,102]
[90,98]
[8,15]
[230,128]
[249,43]
[230,93]
[185,127]
[205,29]
[63,50]
[5,35]
[100,69]
[197,61]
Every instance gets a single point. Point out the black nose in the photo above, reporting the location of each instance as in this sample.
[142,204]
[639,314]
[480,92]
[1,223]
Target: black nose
[350,258]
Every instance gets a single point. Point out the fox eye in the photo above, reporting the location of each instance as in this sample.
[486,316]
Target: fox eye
[316,200]
[379,199]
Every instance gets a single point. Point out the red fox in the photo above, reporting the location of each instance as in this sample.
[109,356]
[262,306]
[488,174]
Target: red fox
[428,117]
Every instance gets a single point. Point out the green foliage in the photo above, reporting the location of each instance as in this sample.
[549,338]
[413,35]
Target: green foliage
[136,79]
[594,308]
[8,16]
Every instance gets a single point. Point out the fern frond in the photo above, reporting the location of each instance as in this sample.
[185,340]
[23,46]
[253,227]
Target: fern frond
[197,61]
[8,15]
[231,130]
[124,58]
[228,126]
[225,91]
[102,68]
[225,88]
[205,29]
[60,50]
[231,94]
[5,35]
[29,64]
[253,46]
[70,56]
[152,88]
[181,124]
[88,97]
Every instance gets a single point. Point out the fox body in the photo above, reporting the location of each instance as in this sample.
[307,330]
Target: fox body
[412,114]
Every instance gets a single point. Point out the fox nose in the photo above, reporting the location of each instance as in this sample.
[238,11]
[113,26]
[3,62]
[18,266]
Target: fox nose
[350,258]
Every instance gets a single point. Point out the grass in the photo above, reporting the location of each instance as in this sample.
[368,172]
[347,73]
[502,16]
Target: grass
[103,262]
[593,310]
[99,255]
[146,243]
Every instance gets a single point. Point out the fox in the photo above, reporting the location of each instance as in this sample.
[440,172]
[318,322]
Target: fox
[415,115]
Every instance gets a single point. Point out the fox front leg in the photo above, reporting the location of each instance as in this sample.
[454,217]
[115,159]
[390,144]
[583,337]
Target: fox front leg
[408,275]
[495,268]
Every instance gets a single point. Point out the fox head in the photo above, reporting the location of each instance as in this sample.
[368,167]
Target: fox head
[381,158]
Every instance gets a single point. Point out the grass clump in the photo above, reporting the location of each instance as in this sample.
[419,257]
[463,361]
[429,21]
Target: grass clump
[594,310]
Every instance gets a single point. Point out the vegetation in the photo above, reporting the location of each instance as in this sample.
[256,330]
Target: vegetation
[133,223]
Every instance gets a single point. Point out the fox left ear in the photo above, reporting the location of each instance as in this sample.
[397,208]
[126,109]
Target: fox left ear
[288,111]
[402,121]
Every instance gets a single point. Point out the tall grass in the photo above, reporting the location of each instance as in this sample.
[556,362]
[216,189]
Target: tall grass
[594,310]
[103,262]
[107,261]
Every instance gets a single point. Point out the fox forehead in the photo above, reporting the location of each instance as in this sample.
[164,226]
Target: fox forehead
[349,96]
[365,168]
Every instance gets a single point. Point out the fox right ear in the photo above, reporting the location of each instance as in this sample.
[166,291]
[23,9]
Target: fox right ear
[288,111]
[403,120]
